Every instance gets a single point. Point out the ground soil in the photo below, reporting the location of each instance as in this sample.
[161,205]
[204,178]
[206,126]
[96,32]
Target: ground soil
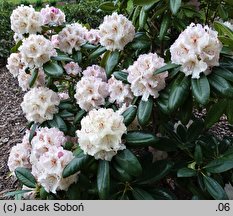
[12,124]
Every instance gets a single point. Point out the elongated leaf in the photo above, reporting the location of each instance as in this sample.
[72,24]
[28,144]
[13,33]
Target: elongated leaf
[97,53]
[215,112]
[107,6]
[144,111]
[186,172]
[145,2]
[103,179]
[129,115]
[32,132]
[223,72]
[120,173]
[140,194]
[164,26]
[33,78]
[162,194]
[111,62]
[140,139]
[223,29]
[221,164]
[201,89]
[129,162]
[175,6]
[25,177]
[75,165]
[142,19]
[62,57]
[198,156]
[195,130]
[221,85]
[165,144]
[53,69]
[166,67]
[13,193]
[179,92]
[154,172]
[122,76]
[214,188]
[79,116]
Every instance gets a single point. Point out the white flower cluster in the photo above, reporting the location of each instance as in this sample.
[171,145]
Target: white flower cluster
[93,36]
[14,64]
[48,159]
[36,50]
[39,104]
[25,19]
[72,37]
[20,154]
[119,92]
[197,49]
[141,76]
[73,69]
[91,92]
[229,24]
[101,132]
[116,31]
[24,78]
[95,71]
[52,15]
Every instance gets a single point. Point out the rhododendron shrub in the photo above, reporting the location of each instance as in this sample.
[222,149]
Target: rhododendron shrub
[112,111]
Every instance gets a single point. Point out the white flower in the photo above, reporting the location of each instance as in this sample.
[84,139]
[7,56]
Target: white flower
[73,68]
[91,93]
[18,37]
[55,41]
[229,24]
[119,92]
[72,37]
[52,15]
[196,49]
[36,50]
[24,78]
[20,155]
[24,19]
[14,64]
[229,191]
[143,82]
[101,133]
[116,31]
[39,104]
[63,95]
[93,36]
[95,71]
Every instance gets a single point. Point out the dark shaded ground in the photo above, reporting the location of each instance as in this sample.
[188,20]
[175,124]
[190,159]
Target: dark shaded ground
[12,124]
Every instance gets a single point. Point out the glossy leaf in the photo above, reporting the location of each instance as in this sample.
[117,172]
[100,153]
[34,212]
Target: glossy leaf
[122,76]
[111,62]
[25,177]
[53,69]
[164,26]
[103,179]
[33,78]
[201,89]
[79,116]
[107,6]
[175,6]
[129,115]
[166,67]
[144,111]
[140,194]
[97,53]
[214,188]
[198,156]
[186,172]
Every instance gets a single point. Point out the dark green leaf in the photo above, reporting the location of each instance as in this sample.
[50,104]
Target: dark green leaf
[229,111]
[122,76]
[142,19]
[33,78]
[175,6]
[223,29]
[129,162]
[198,154]
[107,6]
[79,116]
[53,69]
[179,92]
[144,111]
[166,67]
[103,179]
[32,132]
[140,139]
[164,26]
[97,53]
[201,89]
[214,188]
[215,112]
[195,130]
[224,73]
[62,57]
[25,177]
[145,2]
[129,115]
[165,144]
[13,193]
[162,194]
[186,172]
[111,62]
[75,165]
